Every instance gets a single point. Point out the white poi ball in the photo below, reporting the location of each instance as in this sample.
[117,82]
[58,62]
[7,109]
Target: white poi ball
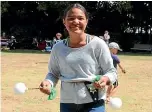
[20,88]
[115,103]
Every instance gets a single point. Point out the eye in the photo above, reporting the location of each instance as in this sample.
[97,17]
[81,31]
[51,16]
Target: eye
[73,18]
[70,18]
[81,18]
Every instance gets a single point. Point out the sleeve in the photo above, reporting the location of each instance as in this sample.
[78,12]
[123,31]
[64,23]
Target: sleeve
[117,59]
[106,63]
[53,69]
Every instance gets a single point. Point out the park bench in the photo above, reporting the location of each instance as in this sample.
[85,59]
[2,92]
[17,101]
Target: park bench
[4,43]
[142,47]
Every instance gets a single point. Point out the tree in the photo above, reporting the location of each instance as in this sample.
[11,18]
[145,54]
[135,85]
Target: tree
[43,19]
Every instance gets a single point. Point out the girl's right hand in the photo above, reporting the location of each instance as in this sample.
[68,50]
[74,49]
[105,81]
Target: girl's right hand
[45,87]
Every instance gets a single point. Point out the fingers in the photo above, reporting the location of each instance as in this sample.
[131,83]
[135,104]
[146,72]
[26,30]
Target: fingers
[100,84]
[96,85]
[107,100]
[45,87]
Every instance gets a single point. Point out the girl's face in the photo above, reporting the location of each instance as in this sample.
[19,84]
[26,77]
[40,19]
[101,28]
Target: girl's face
[75,21]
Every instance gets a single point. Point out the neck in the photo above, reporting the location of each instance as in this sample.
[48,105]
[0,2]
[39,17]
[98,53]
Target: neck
[77,40]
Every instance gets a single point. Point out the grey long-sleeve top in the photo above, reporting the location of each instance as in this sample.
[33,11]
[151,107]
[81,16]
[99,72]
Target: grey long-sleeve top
[73,66]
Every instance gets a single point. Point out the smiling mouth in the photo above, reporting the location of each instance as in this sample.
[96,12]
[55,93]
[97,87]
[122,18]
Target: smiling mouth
[75,27]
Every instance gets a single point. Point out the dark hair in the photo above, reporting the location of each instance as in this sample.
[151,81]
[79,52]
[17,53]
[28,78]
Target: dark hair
[76,5]
[66,34]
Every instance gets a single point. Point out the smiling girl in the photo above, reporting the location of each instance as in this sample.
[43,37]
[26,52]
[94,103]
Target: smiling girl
[76,61]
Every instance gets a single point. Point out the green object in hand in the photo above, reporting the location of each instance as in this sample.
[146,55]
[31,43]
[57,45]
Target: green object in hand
[97,78]
[52,94]
[91,86]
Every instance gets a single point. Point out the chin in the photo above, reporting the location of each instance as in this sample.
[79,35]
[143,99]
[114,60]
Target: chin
[77,31]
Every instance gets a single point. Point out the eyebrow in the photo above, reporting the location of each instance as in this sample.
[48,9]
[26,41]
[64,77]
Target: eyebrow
[76,16]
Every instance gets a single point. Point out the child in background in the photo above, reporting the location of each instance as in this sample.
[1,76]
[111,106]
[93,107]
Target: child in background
[106,37]
[114,47]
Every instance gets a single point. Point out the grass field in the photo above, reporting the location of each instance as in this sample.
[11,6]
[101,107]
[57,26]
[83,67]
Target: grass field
[135,88]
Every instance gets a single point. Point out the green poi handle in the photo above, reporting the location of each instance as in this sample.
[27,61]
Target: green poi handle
[97,78]
[52,94]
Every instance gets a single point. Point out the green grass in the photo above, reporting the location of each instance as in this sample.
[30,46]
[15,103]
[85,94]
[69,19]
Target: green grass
[41,52]
[24,51]
[135,54]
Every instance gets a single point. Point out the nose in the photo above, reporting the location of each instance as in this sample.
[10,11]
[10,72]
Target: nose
[76,21]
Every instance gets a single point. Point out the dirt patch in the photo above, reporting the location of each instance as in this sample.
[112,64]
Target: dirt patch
[134,87]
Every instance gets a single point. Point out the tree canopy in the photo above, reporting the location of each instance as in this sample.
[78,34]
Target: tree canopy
[44,19]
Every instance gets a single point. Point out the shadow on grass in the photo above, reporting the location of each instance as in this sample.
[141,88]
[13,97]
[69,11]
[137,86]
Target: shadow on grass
[25,51]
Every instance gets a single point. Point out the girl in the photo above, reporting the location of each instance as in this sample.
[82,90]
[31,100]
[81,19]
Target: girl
[76,61]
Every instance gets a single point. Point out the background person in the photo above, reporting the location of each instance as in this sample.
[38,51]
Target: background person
[12,43]
[106,37]
[57,38]
[114,47]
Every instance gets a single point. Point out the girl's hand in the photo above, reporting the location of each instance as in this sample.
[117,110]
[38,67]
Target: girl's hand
[102,82]
[45,87]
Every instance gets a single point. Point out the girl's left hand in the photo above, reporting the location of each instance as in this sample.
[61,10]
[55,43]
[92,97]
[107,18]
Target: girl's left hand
[101,83]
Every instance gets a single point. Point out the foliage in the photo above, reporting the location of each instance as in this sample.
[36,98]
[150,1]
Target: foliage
[44,18]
